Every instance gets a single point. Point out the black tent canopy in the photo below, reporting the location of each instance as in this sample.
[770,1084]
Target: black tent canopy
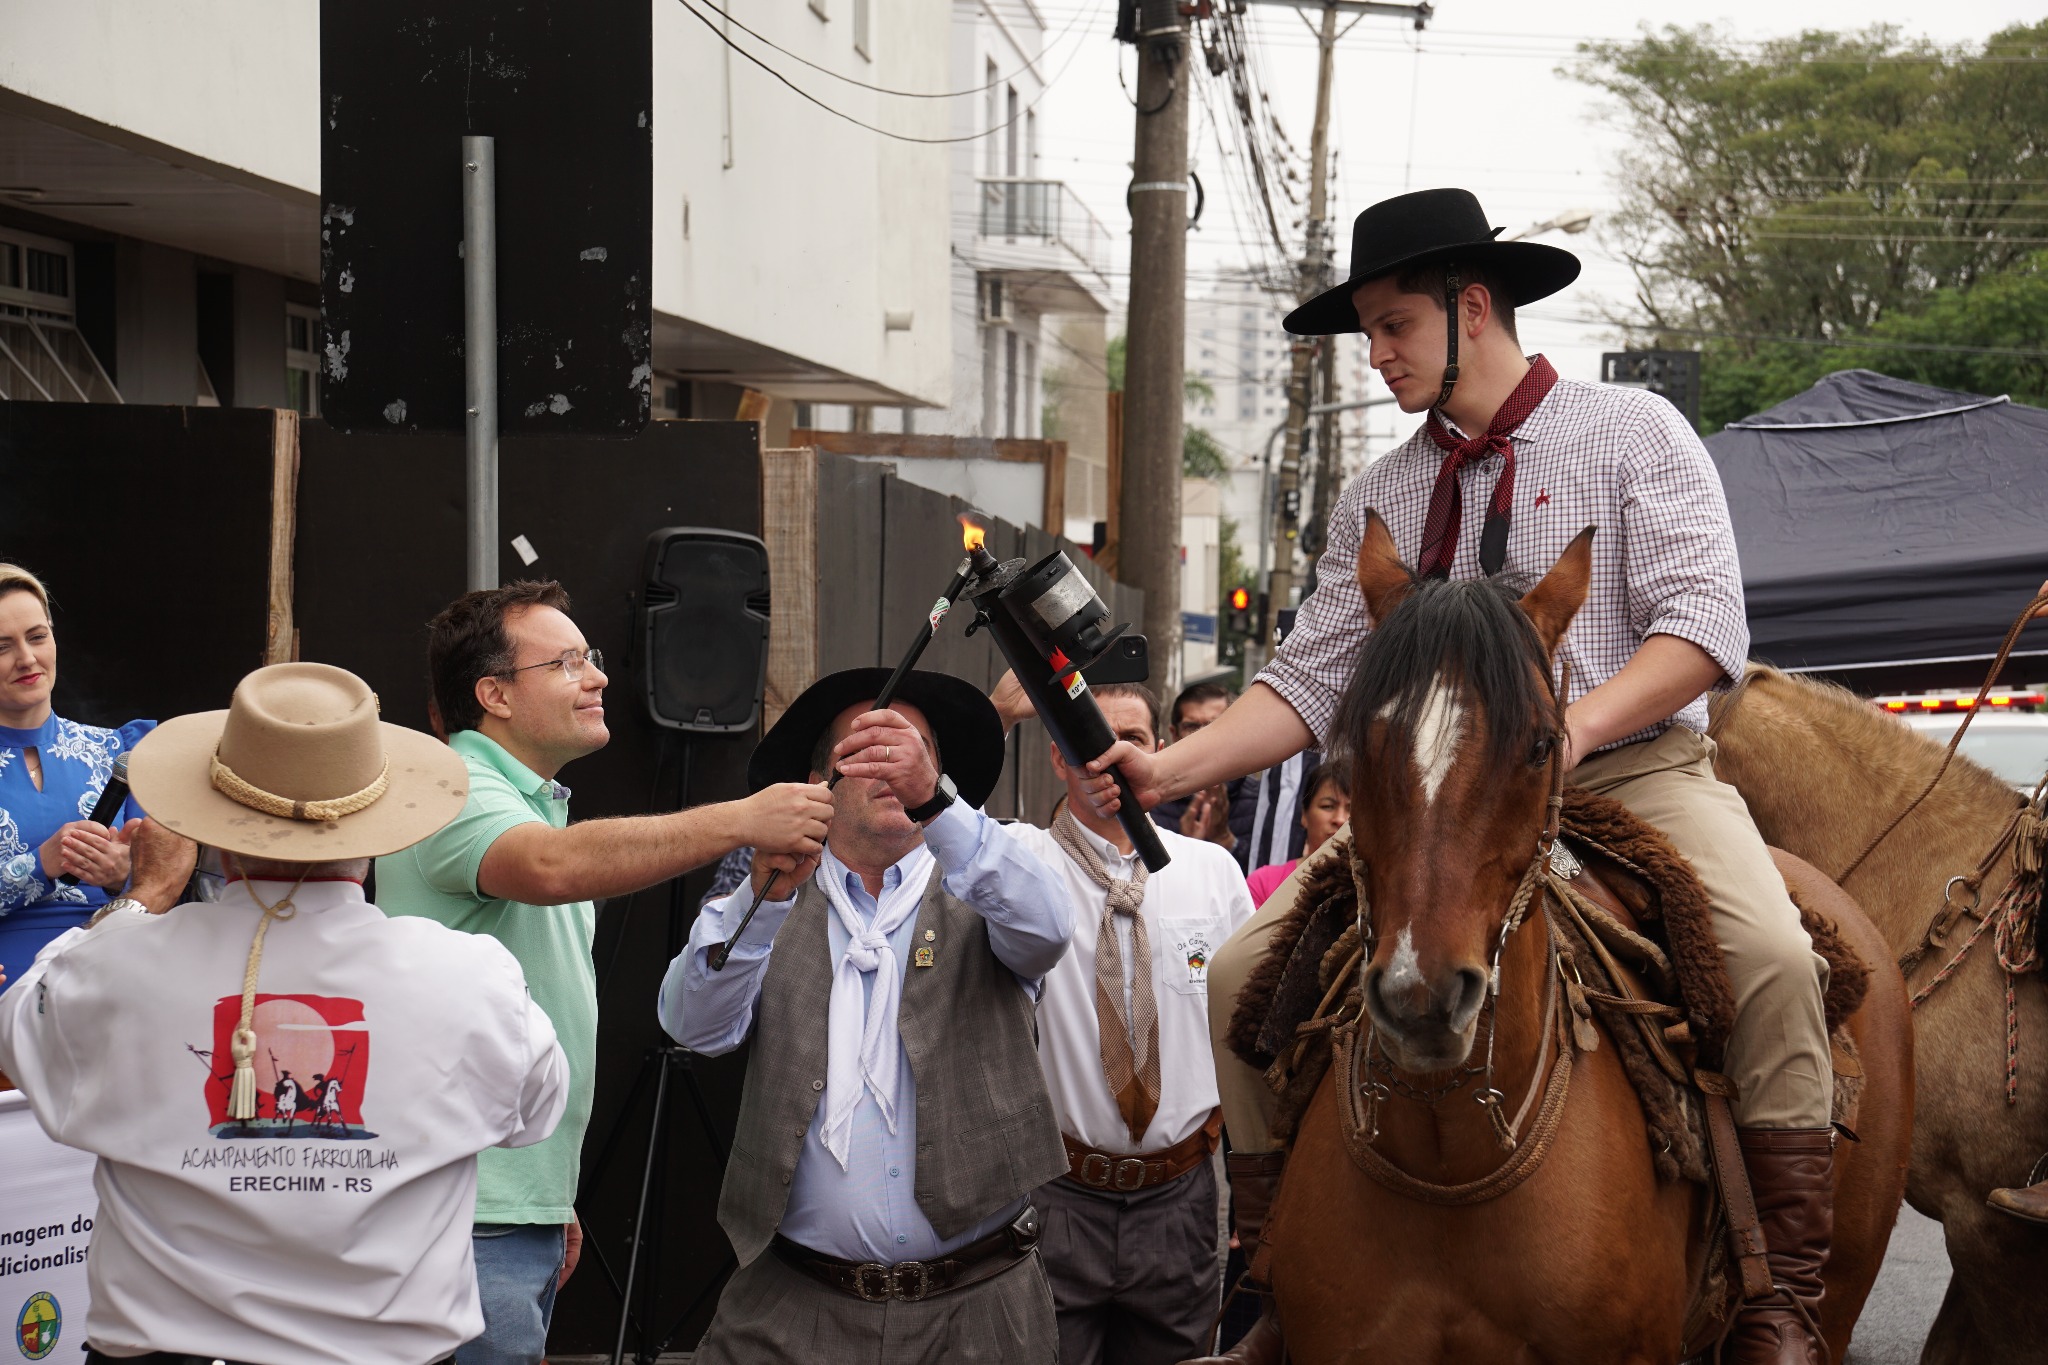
[1883,523]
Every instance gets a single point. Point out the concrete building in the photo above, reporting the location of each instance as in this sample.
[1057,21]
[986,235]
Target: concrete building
[1235,346]
[160,186]
[1028,285]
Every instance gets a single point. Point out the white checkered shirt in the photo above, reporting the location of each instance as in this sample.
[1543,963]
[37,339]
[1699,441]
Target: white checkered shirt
[1589,455]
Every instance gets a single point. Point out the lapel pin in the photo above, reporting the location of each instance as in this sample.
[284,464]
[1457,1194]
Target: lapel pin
[924,957]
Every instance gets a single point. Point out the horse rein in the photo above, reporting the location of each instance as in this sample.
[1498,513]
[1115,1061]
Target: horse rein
[1975,880]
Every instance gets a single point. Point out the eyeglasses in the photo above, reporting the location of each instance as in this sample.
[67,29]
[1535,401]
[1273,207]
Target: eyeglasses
[571,663]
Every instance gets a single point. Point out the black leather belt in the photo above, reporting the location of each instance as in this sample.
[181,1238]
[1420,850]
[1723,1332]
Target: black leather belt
[910,1281]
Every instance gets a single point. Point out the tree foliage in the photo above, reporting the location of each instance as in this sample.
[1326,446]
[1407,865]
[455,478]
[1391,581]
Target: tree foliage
[1816,186]
[1990,339]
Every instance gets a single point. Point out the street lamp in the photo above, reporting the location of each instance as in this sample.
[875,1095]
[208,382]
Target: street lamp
[1571,220]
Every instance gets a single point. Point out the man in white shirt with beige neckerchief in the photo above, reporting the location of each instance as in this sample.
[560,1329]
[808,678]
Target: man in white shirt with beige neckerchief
[1123,1033]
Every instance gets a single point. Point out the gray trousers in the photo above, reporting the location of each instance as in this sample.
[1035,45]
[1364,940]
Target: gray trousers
[1134,1276]
[771,1312]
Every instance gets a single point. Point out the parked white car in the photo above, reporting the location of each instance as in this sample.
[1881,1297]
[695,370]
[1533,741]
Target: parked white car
[2012,744]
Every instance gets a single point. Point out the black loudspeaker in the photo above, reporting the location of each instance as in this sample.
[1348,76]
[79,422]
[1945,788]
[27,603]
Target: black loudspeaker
[704,628]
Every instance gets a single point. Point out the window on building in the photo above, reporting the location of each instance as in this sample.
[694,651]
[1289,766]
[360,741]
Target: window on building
[1010,132]
[990,104]
[35,274]
[1010,378]
[42,355]
[302,359]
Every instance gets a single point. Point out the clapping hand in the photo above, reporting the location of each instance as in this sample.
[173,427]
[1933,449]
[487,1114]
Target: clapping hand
[90,852]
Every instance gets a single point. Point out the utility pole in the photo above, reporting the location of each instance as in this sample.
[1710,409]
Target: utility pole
[1329,449]
[1312,281]
[1316,276]
[1149,548]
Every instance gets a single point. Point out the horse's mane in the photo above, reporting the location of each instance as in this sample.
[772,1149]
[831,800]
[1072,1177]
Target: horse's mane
[1471,631]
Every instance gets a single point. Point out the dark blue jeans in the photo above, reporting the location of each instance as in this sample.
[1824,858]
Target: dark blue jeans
[517,1268]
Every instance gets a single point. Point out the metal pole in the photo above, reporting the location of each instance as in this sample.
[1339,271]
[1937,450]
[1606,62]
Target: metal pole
[480,353]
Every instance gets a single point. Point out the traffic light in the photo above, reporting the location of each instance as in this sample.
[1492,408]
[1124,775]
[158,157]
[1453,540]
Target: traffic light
[1241,610]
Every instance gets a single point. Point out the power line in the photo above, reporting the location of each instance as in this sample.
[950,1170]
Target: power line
[725,38]
[1030,63]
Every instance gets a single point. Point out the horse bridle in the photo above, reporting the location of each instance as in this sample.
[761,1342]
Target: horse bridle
[1551,1080]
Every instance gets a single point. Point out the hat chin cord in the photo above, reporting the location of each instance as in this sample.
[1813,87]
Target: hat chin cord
[1452,289]
[242,1043]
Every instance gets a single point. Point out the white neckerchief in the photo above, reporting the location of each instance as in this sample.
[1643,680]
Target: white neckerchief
[862,1044]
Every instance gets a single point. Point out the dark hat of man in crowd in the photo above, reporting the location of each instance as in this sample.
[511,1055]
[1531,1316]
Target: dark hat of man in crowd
[964,723]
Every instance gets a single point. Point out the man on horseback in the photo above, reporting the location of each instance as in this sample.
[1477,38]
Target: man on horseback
[1511,464]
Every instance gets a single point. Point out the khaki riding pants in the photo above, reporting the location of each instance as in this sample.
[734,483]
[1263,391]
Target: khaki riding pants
[1778,1054]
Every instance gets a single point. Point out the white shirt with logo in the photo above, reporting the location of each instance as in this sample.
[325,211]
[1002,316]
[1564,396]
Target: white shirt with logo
[1191,905]
[334,1227]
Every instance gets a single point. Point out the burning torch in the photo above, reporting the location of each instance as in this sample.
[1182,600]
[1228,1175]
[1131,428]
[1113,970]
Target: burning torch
[972,535]
[1050,624]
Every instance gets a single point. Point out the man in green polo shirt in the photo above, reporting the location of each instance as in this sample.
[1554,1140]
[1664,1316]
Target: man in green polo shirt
[521,694]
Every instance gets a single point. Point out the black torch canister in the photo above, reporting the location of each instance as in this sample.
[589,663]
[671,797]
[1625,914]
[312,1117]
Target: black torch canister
[975,563]
[1050,624]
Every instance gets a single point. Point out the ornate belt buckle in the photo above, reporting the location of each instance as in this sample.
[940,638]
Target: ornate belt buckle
[1129,1174]
[902,1273]
[874,1281]
[1095,1171]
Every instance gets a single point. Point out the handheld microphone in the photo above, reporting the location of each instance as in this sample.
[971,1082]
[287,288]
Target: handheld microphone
[112,797]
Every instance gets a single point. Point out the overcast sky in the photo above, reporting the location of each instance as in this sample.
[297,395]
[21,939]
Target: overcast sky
[1493,115]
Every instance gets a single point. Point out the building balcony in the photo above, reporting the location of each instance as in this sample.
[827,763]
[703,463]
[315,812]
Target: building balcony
[1040,228]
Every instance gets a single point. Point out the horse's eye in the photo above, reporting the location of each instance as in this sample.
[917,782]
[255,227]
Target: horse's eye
[1540,751]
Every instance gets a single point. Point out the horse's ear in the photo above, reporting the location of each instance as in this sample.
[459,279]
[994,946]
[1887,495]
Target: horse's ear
[1382,577]
[1552,603]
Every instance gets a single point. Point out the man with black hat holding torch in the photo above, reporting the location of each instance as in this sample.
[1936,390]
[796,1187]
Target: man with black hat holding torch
[895,1119]
[1510,465]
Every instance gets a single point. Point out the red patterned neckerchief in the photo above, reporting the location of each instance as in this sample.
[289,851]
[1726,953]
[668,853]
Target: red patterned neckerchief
[1440,529]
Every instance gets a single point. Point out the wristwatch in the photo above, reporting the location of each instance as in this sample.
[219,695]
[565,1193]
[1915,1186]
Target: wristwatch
[943,796]
[118,903]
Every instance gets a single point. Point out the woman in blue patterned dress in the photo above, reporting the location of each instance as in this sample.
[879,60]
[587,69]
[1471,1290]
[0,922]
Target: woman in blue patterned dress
[51,772]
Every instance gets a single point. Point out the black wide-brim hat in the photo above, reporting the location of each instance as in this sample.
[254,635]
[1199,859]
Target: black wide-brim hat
[1419,229]
[965,723]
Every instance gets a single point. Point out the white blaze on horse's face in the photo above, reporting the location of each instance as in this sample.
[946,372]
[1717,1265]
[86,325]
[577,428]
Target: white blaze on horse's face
[1439,730]
[1404,969]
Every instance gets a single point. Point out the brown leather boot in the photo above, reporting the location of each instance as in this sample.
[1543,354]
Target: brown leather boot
[2029,1202]
[1254,1176]
[1791,1172]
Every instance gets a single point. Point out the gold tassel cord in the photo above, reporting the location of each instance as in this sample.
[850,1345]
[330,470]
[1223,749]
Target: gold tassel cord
[242,1044]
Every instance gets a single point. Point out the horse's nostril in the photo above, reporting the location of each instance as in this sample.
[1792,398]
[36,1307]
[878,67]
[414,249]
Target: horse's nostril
[1471,995]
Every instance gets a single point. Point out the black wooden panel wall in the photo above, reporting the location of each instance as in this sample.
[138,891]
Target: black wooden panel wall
[151,528]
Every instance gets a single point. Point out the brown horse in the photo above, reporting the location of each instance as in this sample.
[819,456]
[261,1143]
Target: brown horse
[1823,771]
[1590,1257]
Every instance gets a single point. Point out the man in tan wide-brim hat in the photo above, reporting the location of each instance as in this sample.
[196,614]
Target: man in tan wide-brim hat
[304,1194]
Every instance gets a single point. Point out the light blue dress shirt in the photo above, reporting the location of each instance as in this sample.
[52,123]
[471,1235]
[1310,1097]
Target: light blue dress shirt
[868,1211]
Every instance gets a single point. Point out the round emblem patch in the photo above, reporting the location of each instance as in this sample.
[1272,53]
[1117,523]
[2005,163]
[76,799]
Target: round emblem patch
[38,1326]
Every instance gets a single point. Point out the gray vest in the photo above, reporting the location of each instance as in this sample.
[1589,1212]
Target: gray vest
[986,1134]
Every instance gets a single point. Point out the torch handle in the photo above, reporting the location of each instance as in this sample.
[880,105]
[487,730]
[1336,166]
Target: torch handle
[1144,834]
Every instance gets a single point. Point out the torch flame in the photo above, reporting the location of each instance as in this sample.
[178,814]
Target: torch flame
[972,533]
